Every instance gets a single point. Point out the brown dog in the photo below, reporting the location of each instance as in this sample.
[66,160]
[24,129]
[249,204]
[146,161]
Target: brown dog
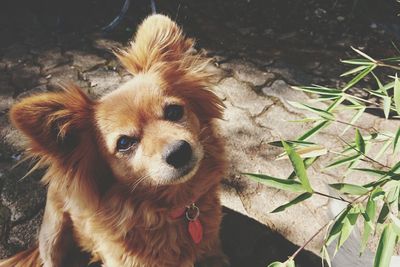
[133,178]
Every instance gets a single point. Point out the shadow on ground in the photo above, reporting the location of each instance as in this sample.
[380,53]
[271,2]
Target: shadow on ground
[250,243]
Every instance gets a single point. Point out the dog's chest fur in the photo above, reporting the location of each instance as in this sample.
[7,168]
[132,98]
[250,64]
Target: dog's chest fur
[138,234]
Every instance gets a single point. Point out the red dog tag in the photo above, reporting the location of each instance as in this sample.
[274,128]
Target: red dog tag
[196,231]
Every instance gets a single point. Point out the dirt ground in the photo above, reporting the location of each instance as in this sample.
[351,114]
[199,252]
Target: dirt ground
[44,42]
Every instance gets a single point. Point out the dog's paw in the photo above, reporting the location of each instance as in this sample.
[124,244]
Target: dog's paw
[214,261]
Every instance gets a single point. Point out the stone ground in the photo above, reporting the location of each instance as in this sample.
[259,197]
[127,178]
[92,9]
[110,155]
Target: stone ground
[259,50]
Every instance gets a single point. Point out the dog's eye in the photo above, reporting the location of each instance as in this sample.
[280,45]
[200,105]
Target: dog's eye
[173,112]
[125,142]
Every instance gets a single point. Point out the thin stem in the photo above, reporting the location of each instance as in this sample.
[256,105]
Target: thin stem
[367,157]
[309,240]
[382,64]
[332,197]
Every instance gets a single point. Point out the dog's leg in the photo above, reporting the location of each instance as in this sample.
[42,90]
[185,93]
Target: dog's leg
[55,237]
[214,256]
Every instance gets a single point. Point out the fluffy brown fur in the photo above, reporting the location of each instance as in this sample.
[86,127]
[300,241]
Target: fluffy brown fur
[116,205]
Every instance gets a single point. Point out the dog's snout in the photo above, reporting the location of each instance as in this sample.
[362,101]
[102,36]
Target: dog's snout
[178,154]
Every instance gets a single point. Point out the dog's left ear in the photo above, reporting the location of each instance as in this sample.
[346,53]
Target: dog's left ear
[53,121]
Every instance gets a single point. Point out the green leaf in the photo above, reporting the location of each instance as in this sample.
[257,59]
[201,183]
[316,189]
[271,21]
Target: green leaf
[350,188]
[385,247]
[298,165]
[396,141]
[307,163]
[387,104]
[294,201]
[363,54]
[348,225]
[357,62]
[359,76]
[395,223]
[371,171]
[396,96]
[308,152]
[325,257]
[277,264]
[383,214]
[343,161]
[314,130]
[355,70]
[360,143]
[290,263]
[320,112]
[334,232]
[291,142]
[318,90]
[356,116]
[370,211]
[283,184]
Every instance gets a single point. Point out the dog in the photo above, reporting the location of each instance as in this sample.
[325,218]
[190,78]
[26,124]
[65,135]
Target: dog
[133,177]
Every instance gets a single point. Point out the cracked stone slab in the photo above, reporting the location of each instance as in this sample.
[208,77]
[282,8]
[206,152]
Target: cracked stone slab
[243,96]
[52,58]
[247,72]
[22,196]
[85,61]
[102,81]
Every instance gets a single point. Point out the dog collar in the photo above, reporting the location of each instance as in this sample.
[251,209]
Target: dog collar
[191,214]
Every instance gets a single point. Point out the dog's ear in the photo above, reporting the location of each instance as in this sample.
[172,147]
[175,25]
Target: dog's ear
[52,121]
[158,39]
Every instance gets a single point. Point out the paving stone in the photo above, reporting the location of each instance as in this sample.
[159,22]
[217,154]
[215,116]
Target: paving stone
[102,81]
[24,197]
[25,234]
[243,96]
[5,216]
[16,55]
[52,58]
[61,75]
[25,76]
[85,61]
[247,72]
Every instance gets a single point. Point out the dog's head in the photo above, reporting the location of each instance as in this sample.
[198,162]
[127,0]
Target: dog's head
[151,130]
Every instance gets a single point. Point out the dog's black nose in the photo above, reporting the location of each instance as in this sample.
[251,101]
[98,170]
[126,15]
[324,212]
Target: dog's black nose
[178,154]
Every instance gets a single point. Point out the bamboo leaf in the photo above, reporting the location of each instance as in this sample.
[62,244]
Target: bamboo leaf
[355,70]
[364,55]
[320,112]
[359,76]
[314,130]
[336,228]
[308,152]
[370,211]
[277,264]
[396,141]
[383,214]
[298,166]
[360,143]
[318,90]
[350,188]
[326,257]
[356,116]
[283,184]
[348,225]
[396,96]
[307,163]
[385,248]
[387,104]
[343,161]
[357,62]
[294,201]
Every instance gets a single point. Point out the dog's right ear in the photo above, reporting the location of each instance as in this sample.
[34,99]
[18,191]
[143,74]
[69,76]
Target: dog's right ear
[53,121]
